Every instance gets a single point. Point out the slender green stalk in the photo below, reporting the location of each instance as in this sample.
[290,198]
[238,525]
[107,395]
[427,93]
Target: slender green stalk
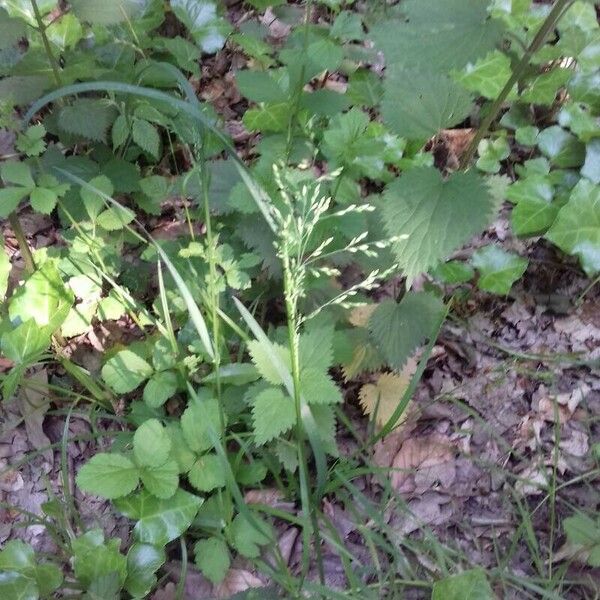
[41,27]
[15,224]
[547,26]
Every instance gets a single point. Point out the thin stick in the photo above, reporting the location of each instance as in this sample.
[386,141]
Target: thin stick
[41,27]
[15,224]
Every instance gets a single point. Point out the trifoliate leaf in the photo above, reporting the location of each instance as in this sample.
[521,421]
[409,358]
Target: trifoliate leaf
[87,118]
[207,473]
[249,536]
[108,12]
[32,141]
[417,104]
[108,475]
[577,226]
[125,371]
[143,560]
[261,358]
[196,422]
[469,585]
[398,329]
[431,217]
[145,135]
[318,388]
[380,399]
[161,481]
[498,269]
[160,388]
[273,413]
[487,76]
[159,521]
[212,558]
[151,444]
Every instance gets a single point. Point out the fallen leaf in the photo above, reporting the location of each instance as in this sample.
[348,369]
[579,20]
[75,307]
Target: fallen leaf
[576,445]
[33,404]
[360,315]
[237,580]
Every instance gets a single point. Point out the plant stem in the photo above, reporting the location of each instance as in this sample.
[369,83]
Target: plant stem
[547,26]
[41,27]
[15,224]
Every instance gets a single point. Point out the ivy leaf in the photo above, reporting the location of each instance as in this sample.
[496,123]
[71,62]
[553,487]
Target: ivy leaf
[430,217]
[143,560]
[151,444]
[207,473]
[161,481]
[535,211]
[248,537]
[398,329]
[212,558]
[125,371]
[160,388]
[417,104]
[93,558]
[577,226]
[88,118]
[543,89]
[108,12]
[196,422]
[108,475]
[498,269]
[591,167]
[273,413]
[491,152]
[145,135]
[159,521]
[562,148]
[470,585]
[487,76]
[200,17]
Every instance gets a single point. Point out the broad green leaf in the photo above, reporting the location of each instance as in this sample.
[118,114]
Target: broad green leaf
[17,586]
[347,27]
[533,217]
[17,173]
[527,136]
[365,88]
[25,342]
[145,135]
[579,119]
[40,298]
[398,329]
[543,89]
[319,388]
[273,413]
[115,218]
[491,152]
[17,556]
[260,86]
[247,538]
[498,269]
[261,358]
[581,15]
[316,348]
[24,88]
[487,76]
[207,473]
[88,117]
[43,200]
[151,444]
[180,451]
[270,118]
[160,387]
[93,558]
[10,198]
[48,577]
[577,226]
[143,560]
[94,200]
[161,481]
[417,104]
[65,32]
[196,422]
[108,12]
[454,272]
[125,371]
[32,141]
[469,585]
[159,521]
[591,167]
[11,29]
[431,217]
[585,88]
[212,558]
[200,17]
[108,475]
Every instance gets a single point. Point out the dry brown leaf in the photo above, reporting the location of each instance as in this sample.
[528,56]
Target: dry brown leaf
[33,404]
[359,316]
[418,455]
[382,398]
[269,497]
[237,580]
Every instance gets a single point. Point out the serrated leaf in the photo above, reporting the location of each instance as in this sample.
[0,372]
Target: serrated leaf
[498,269]
[161,481]
[207,473]
[159,521]
[270,118]
[196,422]
[120,131]
[487,76]
[381,399]
[247,538]
[470,585]
[200,17]
[431,217]
[125,371]
[43,200]
[151,444]
[273,413]
[319,388]
[577,226]
[10,198]
[316,348]
[365,88]
[212,558]
[17,173]
[259,86]
[398,329]
[87,118]
[145,135]
[417,104]
[160,387]
[108,12]
[108,475]
[264,364]
[143,560]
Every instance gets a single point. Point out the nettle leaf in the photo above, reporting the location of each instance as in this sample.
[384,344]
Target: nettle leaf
[498,269]
[161,481]
[431,217]
[212,558]
[151,444]
[32,141]
[108,12]
[273,413]
[88,118]
[417,104]
[470,585]
[196,422]
[454,272]
[125,371]
[159,521]
[487,76]
[365,88]
[108,475]
[143,560]
[146,136]
[206,27]
[577,226]
[319,388]
[260,86]
[261,358]
[207,473]
[316,348]
[398,329]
